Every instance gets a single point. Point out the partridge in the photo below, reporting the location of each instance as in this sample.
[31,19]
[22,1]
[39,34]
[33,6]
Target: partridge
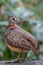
[19,40]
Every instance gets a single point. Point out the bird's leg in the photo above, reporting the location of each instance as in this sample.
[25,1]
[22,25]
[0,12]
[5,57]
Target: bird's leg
[18,58]
[25,58]
[14,60]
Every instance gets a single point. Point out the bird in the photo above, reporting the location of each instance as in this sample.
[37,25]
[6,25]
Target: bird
[18,39]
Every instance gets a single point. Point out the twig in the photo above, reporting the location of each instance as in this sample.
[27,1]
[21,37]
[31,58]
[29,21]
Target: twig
[23,63]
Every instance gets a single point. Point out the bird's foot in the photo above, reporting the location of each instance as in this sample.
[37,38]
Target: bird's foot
[15,60]
[11,61]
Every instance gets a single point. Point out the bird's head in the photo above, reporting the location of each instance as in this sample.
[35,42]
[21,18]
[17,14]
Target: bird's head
[12,21]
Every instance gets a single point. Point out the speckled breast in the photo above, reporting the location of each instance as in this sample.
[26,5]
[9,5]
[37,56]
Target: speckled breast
[15,39]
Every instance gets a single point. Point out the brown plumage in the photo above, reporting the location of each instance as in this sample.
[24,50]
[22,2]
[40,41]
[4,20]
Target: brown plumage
[19,40]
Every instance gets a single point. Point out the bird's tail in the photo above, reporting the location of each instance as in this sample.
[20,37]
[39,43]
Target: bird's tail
[36,51]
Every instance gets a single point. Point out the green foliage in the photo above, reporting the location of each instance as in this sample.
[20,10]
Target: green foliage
[32,56]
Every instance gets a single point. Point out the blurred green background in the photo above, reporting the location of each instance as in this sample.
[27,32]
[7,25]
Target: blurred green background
[31,12]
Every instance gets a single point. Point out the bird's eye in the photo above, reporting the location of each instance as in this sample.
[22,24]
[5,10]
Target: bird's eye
[13,18]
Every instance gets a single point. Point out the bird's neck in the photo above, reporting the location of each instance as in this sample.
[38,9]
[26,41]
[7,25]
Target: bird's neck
[12,26]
